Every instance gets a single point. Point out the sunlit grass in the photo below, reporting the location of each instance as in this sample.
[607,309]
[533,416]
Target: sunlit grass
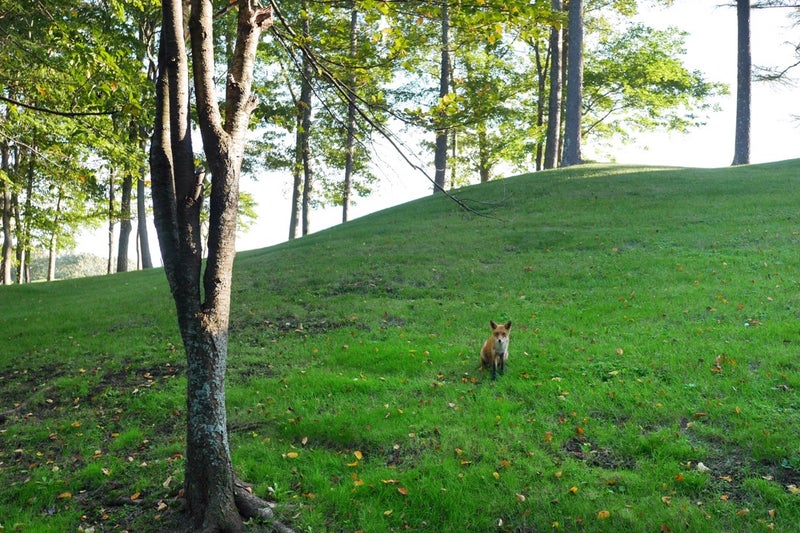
[652,383]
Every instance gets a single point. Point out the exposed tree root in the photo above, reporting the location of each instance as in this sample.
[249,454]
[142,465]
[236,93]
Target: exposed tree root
[5,415]
[251,506]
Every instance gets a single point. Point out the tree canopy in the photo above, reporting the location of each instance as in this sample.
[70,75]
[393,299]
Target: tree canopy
[335,81]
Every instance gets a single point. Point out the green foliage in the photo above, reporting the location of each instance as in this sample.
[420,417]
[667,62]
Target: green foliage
[651,382]
[637,77]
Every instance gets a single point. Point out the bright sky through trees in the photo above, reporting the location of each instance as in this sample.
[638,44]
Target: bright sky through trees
[711,48]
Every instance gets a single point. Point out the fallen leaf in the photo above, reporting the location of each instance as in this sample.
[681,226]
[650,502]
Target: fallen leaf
[496,475]
[402,490]
[390,481]
[387,512]
[702,468]
[742,512]
[64,496]
[666,500]
[292,455]
[603,515]
[135,496]
[520,497]
[573,490]
[358,455]
[793,489]
[161,505]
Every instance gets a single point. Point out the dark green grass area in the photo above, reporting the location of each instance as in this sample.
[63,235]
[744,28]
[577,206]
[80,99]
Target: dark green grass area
[651,385]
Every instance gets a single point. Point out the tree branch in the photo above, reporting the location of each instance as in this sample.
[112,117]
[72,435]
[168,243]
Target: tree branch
[343,92]
[69,114]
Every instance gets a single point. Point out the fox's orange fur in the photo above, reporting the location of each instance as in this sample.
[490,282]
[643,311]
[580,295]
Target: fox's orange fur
[495,349]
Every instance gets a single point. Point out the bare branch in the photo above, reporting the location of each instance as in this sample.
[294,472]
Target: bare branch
[69,114]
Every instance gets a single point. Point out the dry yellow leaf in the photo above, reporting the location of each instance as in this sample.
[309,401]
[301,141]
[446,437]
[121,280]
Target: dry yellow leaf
[603,515]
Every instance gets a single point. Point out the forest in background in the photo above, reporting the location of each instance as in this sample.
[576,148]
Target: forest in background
[478,86]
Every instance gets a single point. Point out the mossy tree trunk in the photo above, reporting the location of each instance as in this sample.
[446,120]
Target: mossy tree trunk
[215,500]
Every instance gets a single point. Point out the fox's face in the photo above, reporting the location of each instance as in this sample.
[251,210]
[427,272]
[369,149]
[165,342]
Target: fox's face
[500,333]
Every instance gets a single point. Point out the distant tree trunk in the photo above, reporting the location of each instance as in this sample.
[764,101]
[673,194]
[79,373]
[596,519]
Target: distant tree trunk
[741,152]
[440,154]
[574,107]
[23,225]
[484,166]
[554,98]
[347,186]
[542,67]
[8,234]
[53,248]
[214,499]
[125,226]
[303,148]
[111,221]
[141,218]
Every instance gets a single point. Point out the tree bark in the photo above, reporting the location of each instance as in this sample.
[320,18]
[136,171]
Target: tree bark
[440,154]
[741,152]
[210,487]
[554,98]
[574,106]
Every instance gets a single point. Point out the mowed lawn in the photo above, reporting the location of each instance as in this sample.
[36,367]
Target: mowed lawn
[652,383]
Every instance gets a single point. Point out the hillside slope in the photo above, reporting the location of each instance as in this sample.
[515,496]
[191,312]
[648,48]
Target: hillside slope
[654,328]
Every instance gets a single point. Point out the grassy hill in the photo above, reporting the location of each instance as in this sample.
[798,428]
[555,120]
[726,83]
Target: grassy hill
[652,382]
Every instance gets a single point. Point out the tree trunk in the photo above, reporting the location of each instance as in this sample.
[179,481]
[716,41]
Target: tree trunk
[211,491]
[440,154]
[23,224]
[7,259]
[141,218]
[304,130]
[111,222]
[574,107]
[484,168]
[542,67]
[125,226]
[741,152]
[347,186]
[554,98]
[53,248]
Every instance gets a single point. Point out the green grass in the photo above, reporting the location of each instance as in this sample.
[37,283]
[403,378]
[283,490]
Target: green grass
[655,328]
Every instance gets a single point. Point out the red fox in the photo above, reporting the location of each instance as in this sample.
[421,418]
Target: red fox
[495,350]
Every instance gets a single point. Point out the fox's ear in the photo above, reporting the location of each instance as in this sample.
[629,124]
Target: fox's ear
[493,324]
[508,325]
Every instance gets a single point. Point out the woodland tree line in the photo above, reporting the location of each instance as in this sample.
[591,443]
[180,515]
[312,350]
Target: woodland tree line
[484,86]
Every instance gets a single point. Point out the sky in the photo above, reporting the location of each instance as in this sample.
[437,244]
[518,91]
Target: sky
[710,48]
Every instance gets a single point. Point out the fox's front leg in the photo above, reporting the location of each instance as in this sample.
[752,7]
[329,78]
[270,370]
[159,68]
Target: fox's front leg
[502,366]
[494,370]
